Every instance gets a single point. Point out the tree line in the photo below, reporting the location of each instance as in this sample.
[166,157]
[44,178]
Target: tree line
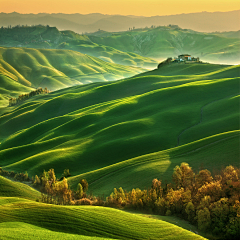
[23,97]
[210,202]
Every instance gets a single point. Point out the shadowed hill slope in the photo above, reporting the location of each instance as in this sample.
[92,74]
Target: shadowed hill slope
[91,127]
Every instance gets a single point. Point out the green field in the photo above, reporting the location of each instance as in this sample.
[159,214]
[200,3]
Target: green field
[127,132]
[24,219]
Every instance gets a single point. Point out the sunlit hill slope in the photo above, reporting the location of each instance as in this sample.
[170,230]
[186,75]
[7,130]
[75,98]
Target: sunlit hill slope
[24,219]
[46,37]
[170,41]
[127,132]
[22,69]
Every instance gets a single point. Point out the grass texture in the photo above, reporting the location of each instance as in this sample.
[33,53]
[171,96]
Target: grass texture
[127,132]
[30,218]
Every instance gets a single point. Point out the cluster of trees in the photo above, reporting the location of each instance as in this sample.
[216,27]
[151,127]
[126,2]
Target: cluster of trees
[16,176]
[23,97]
[58,191]
[212,203]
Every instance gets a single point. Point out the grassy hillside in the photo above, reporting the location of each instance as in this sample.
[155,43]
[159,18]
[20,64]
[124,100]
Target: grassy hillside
[163,42]
[10,188]
[22,231]
[82,220]
[140,171]
[10,88]
[95,129]
[22,69]
[44,37]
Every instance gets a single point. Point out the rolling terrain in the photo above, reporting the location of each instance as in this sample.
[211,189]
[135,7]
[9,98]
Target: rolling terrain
[127,132]
[136,47]
[45,37]
[24,69]
[170,41]
[26,219]
[16,189]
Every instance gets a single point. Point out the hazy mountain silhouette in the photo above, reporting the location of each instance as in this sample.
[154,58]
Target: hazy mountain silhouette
[202,21]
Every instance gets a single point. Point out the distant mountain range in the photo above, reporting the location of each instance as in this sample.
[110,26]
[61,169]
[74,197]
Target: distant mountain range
[202,21]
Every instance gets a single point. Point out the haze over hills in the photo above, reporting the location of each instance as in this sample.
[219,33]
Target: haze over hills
[103,131]
[137,47]
[163,42]
[22,69]
[202,21]
[51,38]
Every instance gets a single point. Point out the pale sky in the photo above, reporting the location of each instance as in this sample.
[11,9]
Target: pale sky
[123,7]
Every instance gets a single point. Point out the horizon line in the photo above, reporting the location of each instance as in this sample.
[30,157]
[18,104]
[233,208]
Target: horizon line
[116,14]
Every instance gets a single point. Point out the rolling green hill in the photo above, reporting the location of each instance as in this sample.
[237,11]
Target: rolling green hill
[144,124]
[42,221]
[44,37]
[170,41]
[10,188]
[23,69]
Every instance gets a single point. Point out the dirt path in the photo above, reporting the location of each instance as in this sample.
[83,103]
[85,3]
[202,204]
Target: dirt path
[201,117]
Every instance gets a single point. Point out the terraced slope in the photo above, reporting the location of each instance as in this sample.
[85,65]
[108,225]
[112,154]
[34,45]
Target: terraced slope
[22,69]
[95,129]
[83,220]
[10,188]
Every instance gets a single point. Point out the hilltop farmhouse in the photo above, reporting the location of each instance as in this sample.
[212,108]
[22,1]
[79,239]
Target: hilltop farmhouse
[186,57]
[183,58]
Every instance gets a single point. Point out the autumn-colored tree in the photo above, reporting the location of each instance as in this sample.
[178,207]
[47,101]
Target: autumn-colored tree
[51,176]
[190,210]
[84,184]
[66,173]
[203,177]
[37,181]
[212,189]
[157,186]
[204,219]
[79,193]
[183,176]
[219,215]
